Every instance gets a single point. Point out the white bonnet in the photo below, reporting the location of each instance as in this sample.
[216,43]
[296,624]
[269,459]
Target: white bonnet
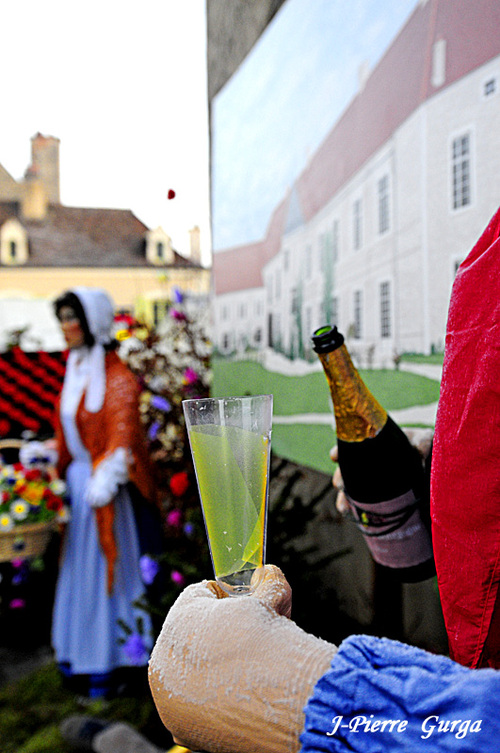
[99,312]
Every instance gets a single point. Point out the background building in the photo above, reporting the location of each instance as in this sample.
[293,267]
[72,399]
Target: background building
[371,232]
[46,247]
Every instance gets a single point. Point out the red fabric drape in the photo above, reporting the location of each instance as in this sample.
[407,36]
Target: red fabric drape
[465,477]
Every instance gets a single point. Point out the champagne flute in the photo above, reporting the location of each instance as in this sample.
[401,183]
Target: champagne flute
[230,441]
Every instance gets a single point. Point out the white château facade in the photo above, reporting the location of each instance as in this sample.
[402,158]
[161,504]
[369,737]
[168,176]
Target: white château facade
[371,241]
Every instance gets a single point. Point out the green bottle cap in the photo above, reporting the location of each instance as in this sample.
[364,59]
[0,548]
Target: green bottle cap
[327,338]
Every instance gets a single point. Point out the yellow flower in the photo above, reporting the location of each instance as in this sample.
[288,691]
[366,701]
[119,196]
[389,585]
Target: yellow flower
[122,334]
[6,522]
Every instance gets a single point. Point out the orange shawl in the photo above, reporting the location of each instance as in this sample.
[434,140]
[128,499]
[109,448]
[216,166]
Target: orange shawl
[116,425]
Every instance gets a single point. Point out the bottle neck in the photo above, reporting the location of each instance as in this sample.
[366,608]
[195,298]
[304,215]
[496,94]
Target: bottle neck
[358,415]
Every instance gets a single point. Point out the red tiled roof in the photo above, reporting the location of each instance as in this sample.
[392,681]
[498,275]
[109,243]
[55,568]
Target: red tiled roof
[85,237]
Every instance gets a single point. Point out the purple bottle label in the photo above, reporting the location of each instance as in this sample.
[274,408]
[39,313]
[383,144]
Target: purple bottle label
[394,531]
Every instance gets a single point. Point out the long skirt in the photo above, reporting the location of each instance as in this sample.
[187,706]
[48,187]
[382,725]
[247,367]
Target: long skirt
[86,632]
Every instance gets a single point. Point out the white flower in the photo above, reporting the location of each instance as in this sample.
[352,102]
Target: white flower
[19,509]
[63,515]
[58,486]
[6,522]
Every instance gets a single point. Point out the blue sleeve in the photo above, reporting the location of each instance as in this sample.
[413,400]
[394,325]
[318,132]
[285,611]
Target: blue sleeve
[382,695]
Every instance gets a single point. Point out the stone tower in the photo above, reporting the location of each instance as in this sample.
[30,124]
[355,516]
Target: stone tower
[45,162]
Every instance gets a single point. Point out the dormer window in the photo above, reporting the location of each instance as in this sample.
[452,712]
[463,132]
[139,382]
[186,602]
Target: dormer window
[13,244]
[159,249]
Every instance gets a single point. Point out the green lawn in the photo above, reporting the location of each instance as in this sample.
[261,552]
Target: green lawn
[309,444]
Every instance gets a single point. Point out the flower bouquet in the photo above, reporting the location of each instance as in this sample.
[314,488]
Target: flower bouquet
[32,503]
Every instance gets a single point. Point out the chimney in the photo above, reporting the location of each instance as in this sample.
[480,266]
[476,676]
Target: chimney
[45,160]
[194,245]
[34,196]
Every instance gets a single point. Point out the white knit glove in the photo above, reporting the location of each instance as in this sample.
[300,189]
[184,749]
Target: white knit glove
[103,485]
[233,674]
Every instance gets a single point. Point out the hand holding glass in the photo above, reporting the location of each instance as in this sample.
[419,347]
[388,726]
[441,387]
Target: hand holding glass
[230,442]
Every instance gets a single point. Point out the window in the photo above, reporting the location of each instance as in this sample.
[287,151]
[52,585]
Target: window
[334,310]
[490,87]
[335,240]
[160,250]
[357,211]
[242,310]
[269,289]
[13,250]
[286,260]
[385,309]
[278,285]
[461,171]
[308,263]
[224,313]
[358,314]
[383,205]
[308,323]
[159,311]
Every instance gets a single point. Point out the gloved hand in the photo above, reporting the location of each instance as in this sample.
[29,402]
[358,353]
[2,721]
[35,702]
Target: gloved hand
[233,674]
[103,485]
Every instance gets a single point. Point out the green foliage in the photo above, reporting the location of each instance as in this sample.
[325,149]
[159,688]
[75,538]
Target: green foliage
[32,709]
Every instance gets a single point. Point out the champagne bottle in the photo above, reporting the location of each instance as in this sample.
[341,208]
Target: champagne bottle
[383,475]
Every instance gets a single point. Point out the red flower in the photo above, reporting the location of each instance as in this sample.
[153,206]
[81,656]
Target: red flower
[179,483]
[171,193]
[53,503]
[33,474]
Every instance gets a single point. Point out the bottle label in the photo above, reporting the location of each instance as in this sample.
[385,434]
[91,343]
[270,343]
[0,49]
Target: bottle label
[394,531]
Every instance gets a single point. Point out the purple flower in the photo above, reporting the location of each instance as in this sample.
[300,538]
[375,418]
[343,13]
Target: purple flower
[153,430]
[135,649]
[17,604]
[178,296]
[174,518]
[177,578]
[149,569]
[177,315]
[161,403]
[190,376]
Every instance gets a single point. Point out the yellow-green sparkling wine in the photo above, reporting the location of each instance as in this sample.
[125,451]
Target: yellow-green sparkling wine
[232,472]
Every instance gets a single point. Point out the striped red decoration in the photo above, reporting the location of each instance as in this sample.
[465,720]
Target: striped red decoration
[29,385]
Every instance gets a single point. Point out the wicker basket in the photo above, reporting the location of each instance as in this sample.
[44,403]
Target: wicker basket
[30,540]
[23,541]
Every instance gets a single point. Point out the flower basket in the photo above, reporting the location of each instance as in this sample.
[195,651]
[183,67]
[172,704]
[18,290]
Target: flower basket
[30,540]
[31,501]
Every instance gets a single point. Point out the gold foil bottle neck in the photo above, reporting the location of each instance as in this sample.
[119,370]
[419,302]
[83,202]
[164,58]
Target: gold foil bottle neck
[358,415]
